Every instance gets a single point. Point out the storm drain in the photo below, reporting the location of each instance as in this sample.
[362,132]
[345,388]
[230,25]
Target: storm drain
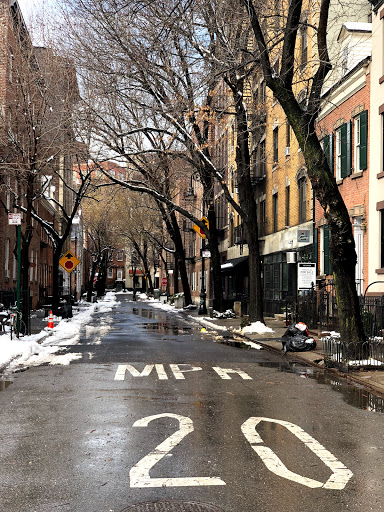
[173,506]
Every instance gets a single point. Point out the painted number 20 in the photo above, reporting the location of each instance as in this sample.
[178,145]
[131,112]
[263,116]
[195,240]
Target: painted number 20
[139,474]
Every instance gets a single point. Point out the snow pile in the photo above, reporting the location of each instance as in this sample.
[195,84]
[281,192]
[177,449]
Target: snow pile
[365,362]
[229,313]
[45,346]
[256,328]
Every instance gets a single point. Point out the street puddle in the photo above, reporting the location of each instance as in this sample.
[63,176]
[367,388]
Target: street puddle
[4,384]
[167,328]
[352,393]
[146,313]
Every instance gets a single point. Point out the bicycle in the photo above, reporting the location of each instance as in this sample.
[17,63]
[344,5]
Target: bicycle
[16,323]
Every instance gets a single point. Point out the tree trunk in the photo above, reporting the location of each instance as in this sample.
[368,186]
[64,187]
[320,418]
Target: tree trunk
[180,258]
[55,278]
[342,245]
[91,279]
[248,203]
[218,299]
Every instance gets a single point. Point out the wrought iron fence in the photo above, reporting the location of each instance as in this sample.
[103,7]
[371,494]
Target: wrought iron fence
[318,309]
[347,356]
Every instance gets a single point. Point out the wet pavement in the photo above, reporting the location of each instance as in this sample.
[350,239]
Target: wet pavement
[157,415]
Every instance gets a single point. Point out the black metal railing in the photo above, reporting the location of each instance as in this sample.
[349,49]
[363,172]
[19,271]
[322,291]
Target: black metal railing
[347,356]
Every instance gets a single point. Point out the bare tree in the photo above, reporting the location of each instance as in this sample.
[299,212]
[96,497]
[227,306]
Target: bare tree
[276,30]
[35,144]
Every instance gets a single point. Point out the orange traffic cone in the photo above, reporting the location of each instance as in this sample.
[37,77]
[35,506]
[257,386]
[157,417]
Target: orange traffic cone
[50,320]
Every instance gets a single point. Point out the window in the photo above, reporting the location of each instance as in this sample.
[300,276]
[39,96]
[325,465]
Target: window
[287,205]
[302,184]
[360,141]
[193,281]
[262,218]
[288,135]
[261,159]
[276,144]
[6,258]
[382,239]
[275,212]
[119,276]
[120,255]
[110,273]
[304,47]
[262,91]
[344,151]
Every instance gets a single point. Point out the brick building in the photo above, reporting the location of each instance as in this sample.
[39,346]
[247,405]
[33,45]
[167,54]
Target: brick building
[35,155]
[343,127]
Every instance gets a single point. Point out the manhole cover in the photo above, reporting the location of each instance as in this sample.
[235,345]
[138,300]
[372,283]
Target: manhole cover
[173,506]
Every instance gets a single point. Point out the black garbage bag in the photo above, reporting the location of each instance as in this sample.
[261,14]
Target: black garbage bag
[297,339]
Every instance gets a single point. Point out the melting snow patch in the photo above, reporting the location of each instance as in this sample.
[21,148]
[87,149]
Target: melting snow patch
[256,328]
[253,345]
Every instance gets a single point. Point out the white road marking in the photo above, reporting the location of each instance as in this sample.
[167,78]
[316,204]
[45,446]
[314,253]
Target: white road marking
[178,372]
[223,372]
[123,368]
[139,473]
[338,480]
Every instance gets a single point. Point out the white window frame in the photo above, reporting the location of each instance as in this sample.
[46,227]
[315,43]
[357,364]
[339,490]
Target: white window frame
[110,273]
[119,274]
[356,145]
[338,154]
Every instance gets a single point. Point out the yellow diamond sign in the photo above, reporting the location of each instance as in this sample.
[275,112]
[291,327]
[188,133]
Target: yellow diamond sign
[69,262]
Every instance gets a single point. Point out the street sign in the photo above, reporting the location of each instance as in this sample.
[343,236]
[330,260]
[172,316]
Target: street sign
[14,219]
[164,281]
[198,230]
[206,254]
[69,262]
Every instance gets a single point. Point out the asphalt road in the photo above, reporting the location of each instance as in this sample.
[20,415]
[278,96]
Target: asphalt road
[154,411]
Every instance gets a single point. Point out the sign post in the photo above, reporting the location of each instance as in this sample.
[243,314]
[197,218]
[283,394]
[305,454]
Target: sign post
[69,262]
[14,219]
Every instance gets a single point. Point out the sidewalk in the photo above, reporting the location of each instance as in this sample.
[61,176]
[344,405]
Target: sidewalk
[373,379]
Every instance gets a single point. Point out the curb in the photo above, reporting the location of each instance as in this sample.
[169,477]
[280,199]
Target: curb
[296,355]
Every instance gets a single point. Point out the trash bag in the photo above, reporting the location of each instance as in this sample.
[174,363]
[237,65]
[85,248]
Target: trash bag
[297,339]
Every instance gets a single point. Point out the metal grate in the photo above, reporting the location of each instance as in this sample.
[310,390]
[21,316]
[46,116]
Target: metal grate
[173,506]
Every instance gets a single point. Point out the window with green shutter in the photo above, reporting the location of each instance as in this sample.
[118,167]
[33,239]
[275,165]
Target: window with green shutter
[363,140]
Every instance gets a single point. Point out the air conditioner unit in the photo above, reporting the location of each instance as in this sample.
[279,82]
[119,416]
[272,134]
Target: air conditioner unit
[287,151]
[291,257]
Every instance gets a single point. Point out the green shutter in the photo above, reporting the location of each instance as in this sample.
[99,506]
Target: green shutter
[349,148]
[331,152]
[363,139]
[343,135]
[327,261]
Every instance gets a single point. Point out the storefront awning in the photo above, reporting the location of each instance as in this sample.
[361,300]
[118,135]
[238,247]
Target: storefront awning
[229,265]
